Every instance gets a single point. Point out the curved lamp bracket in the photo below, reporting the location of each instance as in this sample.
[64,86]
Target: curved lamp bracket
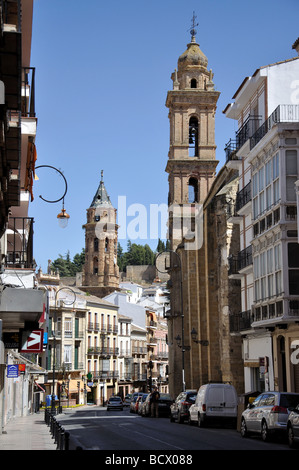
[53,168]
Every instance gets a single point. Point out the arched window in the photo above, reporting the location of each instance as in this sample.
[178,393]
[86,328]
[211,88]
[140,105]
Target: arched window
[95,265]
[96,244]
[193,190]
[193,83]
[193,137]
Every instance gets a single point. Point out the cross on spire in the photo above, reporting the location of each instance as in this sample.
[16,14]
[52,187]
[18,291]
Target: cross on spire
[192,30]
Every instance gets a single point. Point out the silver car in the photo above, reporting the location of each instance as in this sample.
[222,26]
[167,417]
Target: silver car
[115,403]
[268,413]
[293,428]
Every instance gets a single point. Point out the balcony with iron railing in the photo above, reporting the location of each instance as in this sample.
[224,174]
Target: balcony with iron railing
[245,258]
[103,351]
[106,374]
[11,15]
[240,261]
[61,366]
[240,321]
[283,113]
[28,92]
[244,133]
[139,350]
[20,243]
[124,352]
[243,197]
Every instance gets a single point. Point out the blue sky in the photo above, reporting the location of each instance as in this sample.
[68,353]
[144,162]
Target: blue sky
[102,75]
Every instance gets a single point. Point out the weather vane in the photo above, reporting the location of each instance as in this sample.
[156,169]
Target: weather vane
[194,24]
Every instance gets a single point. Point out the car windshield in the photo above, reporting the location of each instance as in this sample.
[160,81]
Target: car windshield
[165,396]
[115,399]
[191,397]
[289,401]
[144,397]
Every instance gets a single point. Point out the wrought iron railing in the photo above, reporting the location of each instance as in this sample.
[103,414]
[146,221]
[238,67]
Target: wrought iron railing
[243,196]
[20,243]
[283,113]
[240,321]
[245,257]
[28,92]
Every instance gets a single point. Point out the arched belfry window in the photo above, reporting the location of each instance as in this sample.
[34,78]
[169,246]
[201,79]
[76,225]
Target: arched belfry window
[95,265]
[193,137]
[193,190]
[193,83]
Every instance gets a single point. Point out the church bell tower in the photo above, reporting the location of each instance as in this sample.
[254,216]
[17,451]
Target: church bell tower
[191,167]
[101,272]
[192,105]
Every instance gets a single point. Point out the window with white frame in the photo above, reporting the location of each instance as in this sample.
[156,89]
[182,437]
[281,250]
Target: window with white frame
[68,355]
[68,327]
[265,186]
[293,264]
[267,273]
[291,174]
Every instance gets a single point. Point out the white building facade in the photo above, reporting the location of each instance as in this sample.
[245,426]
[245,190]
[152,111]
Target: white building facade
[266,151]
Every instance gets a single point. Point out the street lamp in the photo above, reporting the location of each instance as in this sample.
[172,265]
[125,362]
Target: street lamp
[63,216]
[54,345]
[182,340]
[203,342]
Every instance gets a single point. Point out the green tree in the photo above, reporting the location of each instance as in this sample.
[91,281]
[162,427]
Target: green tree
[160,246]
[66,267]
[136,255]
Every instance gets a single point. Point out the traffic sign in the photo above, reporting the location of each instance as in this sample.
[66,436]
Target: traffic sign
[13,370]
[32,341]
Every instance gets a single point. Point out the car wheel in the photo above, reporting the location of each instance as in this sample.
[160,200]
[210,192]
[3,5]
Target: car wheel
[171,418]
[180,419]
[189,420]
[243,430]
[200,421]
[265,431]
[291,437]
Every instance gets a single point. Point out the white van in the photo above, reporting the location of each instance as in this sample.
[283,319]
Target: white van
[214,402]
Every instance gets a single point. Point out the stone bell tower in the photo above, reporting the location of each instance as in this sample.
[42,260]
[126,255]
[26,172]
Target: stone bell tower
[192,105]
[100,273]
[191,167]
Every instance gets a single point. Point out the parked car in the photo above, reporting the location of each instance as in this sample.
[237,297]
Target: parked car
[268,414]
[293,427]
[134,397]
[115,403]
[127,400]
[141,400]
[215,402]
[179,410]
[165,401]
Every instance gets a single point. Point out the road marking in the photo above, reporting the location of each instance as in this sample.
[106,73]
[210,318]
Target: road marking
[158,440]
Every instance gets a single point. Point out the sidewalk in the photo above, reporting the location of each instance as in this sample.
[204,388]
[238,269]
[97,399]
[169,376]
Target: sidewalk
[27,433]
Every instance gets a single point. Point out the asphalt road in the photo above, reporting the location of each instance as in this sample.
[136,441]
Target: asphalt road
[95,428]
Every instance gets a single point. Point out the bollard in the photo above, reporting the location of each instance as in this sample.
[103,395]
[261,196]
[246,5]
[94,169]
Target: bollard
[62,436]
[67,441]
